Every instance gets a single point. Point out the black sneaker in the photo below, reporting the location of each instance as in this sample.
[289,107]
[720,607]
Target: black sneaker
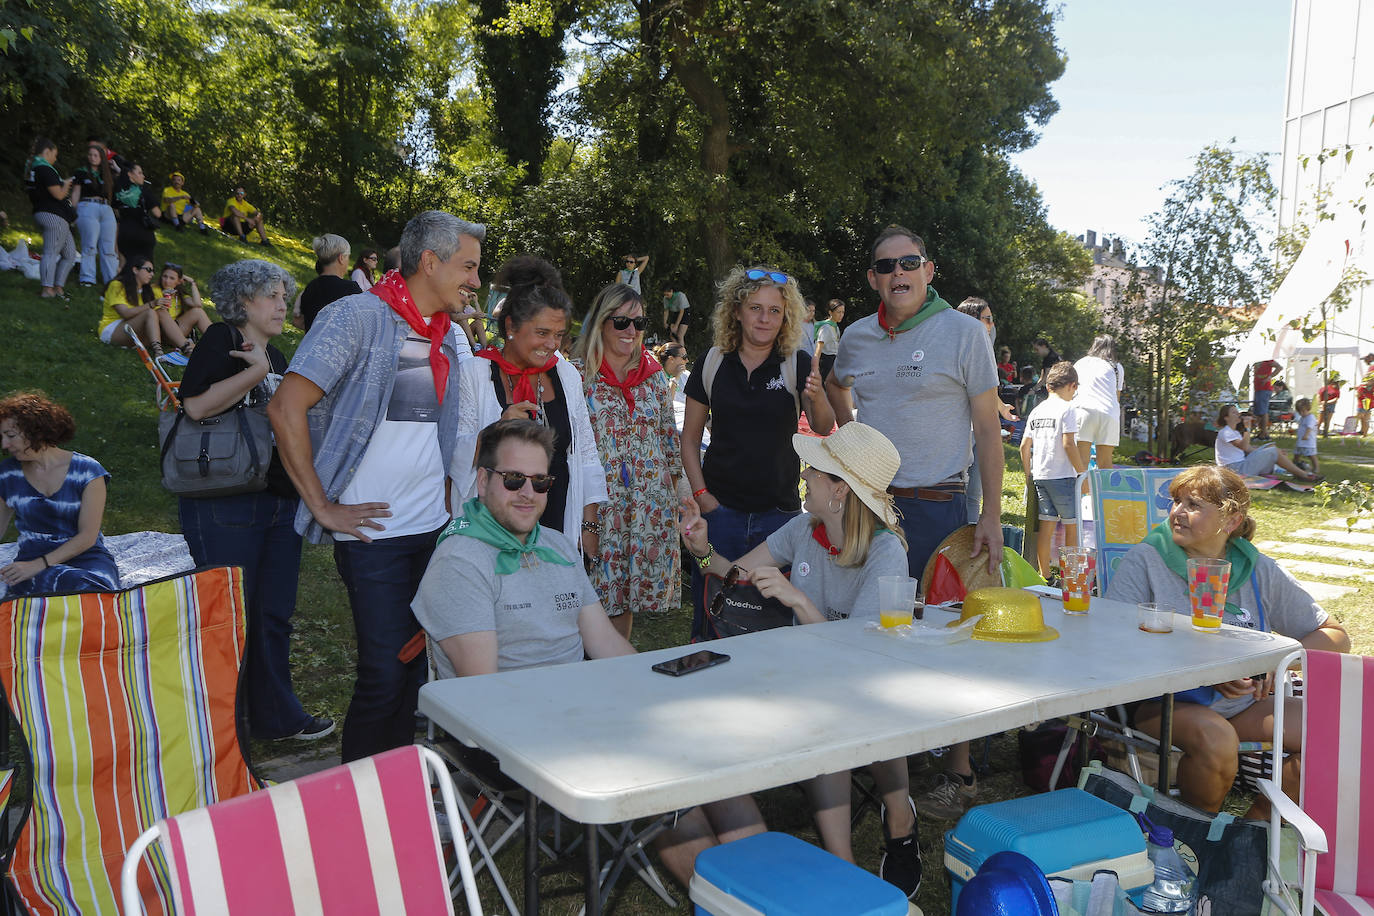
[900,864]
[315,729]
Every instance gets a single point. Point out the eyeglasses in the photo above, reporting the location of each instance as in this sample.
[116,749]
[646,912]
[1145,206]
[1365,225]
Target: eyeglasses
[761,273]
[147,267]
[515,481]
[906,262]
[621,322]
[726,587]
[986,318]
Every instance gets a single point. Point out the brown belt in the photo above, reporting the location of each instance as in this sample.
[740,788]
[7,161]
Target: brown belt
[933,494]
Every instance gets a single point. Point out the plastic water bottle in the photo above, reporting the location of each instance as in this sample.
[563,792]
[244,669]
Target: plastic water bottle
[1174,889]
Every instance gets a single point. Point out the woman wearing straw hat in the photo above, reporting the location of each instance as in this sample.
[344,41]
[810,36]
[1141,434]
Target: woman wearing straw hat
[845,539]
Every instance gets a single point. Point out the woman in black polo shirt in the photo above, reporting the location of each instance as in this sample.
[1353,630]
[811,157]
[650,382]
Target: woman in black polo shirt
[746,485]
[136,212]
[52,212]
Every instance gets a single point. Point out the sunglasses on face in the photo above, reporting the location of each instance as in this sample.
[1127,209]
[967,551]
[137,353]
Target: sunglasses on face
[906,262]
[760,273]
[515,481]
[621,322]
[728,586]
[147,267]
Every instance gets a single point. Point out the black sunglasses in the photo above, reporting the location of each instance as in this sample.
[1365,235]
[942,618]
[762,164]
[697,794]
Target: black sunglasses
[906,262]
[515,481]
[728,586]
[621,322]
[168,265]
[760,273]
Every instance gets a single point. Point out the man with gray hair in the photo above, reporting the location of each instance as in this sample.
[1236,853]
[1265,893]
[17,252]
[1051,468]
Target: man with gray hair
[366,420]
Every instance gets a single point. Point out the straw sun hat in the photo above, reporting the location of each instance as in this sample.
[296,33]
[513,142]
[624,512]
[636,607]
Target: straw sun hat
[860,456]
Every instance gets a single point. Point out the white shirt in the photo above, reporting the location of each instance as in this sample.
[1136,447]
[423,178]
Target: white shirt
[1228,451]
[1046,426]
[1098,383]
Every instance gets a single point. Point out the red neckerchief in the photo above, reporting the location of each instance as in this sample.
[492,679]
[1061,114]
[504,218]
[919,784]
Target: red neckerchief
[522,389]
[818,533]
[392,290]
[646,367]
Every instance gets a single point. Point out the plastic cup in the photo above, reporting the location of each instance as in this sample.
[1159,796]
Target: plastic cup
[1207,584]
[1076,589]
[1154,618]
[896,600]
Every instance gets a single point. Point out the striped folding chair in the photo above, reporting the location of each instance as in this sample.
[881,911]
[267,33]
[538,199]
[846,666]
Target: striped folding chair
[126,704]
[357,838]
[1335,820]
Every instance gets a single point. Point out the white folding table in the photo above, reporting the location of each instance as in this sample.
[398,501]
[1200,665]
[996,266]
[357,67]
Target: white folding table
[611,740]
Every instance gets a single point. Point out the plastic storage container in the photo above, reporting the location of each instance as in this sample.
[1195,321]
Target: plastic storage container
[773,874]
[1068,834]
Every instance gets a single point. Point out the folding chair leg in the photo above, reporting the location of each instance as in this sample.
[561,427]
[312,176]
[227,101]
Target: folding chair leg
[484,853]
[630,851]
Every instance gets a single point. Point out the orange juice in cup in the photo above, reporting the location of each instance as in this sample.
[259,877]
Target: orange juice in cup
[896,601]
[1208,581]
[1076,579]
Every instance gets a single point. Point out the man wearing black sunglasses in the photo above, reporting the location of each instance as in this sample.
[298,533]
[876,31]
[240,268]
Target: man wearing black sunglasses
[925,376]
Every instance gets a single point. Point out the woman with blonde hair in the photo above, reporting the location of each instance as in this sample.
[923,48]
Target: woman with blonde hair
[847,538]
[752,384]
[632,414]
[1210,520]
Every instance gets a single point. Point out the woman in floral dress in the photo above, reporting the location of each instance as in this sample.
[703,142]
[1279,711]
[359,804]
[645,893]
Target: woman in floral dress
[632,413]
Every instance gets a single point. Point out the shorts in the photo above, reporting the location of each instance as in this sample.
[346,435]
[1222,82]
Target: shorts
[1098,427]
[1261,405]
[1259,463]
[1305,450]
[1057,502]
[108,332]
[1328,410]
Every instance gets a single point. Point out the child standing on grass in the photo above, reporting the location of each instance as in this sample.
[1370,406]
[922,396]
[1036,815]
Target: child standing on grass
[1049,454]
[1307,434]
[1329,395]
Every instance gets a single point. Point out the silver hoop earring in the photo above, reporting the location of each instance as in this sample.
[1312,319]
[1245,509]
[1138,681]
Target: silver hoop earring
[832,508]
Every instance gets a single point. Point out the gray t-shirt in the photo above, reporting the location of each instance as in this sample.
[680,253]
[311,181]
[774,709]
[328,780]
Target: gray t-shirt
[533,611]
[837,591]
[915,389]
[1282,605]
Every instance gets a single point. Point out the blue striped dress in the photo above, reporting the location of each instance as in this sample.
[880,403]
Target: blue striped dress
[48,522]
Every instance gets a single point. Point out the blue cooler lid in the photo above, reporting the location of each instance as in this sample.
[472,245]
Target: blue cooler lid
[1056,830]
[781,875]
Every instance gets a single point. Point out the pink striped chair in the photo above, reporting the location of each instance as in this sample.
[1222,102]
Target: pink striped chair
[1335,821]
[358,839]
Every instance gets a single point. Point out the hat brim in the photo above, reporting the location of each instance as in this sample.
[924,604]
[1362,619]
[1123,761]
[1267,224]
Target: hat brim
[1008,882]
[958,549]
[809,450]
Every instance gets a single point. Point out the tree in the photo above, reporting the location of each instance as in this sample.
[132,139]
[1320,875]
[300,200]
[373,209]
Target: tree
[1207,242]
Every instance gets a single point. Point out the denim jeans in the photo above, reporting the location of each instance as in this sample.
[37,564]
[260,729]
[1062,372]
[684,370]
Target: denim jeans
[382,578]
[733,534]
[256,531]
[98,228]
[927,522]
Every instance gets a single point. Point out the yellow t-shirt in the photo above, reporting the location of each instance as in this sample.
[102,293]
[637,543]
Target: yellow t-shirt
[175,202]
[114,295]
[242,208]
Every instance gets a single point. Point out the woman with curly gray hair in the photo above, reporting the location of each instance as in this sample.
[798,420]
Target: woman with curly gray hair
[235,363]
[753,384]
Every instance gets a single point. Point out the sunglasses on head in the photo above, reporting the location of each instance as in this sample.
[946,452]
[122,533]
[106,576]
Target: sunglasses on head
[761,273]
[170,266]
[906,262]
[621,322]
[515,481]
[727,586]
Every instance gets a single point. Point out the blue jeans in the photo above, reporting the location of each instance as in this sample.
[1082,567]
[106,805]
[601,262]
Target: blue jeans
[733,534]
[382,578]
[255,531]
[927,522]
[98,229]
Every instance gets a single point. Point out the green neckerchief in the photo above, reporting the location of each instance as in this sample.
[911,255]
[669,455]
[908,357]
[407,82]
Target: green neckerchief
[477,522]
[933,305]
[39,162]
[816,328]
[130,196]
[1239,552]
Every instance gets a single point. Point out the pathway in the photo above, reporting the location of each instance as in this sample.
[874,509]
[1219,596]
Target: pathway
[1330,561]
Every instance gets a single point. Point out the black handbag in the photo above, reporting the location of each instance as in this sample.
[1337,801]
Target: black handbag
[222,455]
[734,608]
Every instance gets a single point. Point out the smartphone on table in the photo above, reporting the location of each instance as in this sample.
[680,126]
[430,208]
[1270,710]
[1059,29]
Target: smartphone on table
[704,658]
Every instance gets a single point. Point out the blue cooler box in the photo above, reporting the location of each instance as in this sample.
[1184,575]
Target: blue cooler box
[775,874]
[1068,834]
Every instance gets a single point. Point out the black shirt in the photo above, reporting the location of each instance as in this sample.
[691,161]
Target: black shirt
[91,183]
[321,291]
[555,415]
[750,464]
[41,178]
[131,201]
[211,363]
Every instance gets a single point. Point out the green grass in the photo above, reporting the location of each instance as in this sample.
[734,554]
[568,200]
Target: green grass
[52,347]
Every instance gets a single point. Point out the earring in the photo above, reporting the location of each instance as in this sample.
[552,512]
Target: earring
[832,508]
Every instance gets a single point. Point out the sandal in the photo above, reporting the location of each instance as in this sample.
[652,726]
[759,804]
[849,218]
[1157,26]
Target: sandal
[187,347]
[156,349]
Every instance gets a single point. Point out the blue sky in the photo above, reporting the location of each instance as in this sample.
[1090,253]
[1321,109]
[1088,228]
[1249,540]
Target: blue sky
[1147,85]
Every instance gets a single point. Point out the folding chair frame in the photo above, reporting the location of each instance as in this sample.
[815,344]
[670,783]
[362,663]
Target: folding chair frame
[167,387]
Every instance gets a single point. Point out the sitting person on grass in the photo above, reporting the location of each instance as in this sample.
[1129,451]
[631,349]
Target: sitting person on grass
[845,539]
[1234,451]
[180,295]
[133,303]
[240,217]
[178,206]
[1209,519]
[503,592]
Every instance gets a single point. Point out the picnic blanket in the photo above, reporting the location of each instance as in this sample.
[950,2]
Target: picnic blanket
[141,557]
[1261,483]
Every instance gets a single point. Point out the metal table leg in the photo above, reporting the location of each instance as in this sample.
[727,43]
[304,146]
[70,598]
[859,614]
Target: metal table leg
[531,852]
[593,874]
[1166,739]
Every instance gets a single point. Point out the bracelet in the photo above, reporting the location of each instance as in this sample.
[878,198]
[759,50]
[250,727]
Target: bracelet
[704,563]
[697,493]
[46,564]
[592,527]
